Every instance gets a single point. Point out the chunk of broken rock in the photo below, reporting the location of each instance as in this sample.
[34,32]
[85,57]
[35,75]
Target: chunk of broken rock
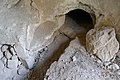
[102,43]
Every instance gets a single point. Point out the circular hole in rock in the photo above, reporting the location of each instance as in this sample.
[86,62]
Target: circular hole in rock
[78,22]
[82,18]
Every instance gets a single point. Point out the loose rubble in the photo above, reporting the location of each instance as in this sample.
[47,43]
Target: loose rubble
[83,68]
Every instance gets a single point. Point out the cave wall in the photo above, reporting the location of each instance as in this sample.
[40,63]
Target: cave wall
[51,15]
[107,11]
[30,25]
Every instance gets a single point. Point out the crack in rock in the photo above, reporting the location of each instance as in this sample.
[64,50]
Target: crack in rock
[10,61]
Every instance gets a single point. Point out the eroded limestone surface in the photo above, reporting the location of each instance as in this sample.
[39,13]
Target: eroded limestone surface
[27,27]
[102,43]
[76,64]
[16,16]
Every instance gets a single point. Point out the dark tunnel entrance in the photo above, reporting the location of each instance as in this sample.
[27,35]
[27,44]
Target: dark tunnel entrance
[82,18]
[77,23]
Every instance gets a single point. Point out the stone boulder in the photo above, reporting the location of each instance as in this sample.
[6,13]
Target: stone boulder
[102,43]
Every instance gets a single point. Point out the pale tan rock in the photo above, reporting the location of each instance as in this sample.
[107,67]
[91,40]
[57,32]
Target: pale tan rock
[103,43]
[83,68]
[108,9]
[31,23]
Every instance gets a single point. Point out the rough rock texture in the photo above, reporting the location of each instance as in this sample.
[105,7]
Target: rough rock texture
[102,43]
[76,64]
[16,17]
[28,26]
[107,11]
[52,52]
[48,55]
[52,17]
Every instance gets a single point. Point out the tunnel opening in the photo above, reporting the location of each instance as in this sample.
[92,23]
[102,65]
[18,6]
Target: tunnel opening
[77,23]
[82,18]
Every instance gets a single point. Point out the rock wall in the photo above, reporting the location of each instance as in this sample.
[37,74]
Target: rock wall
[18,20]
[27,26]
[52,16]
[107,12]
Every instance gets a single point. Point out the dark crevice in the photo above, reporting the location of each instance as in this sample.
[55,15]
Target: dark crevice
[82,18]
